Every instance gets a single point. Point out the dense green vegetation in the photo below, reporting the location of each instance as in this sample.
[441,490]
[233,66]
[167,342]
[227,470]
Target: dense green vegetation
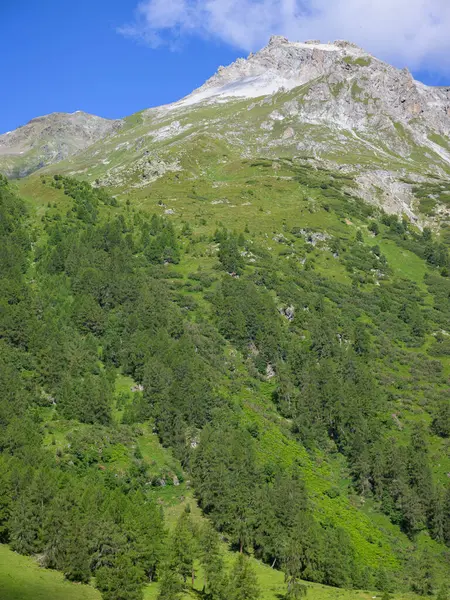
[261,370]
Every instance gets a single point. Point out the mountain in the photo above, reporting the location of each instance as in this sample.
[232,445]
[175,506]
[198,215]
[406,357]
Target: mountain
[224,364]
[331,106]
[49,139]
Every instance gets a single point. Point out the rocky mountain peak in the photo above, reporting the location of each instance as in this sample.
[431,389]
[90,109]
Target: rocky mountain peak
[279,65]
[278,39]
[343,85]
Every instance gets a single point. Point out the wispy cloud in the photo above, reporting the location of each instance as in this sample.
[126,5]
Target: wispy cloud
[412,32]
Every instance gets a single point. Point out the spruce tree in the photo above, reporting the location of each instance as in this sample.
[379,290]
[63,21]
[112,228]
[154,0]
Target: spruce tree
[121,581]
[243,584]
[77,558]
[24,527]
[229,255]
[184,547]
[171,585]
[212,562]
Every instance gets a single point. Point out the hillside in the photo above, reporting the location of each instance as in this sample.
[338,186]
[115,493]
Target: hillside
[224,341]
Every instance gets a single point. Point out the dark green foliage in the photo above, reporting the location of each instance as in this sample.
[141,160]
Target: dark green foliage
[121,581]
[230,256]
[374,227]
[159,242]
[87,399]
[247,316]
[77,559]
[423,579]
[184,548]
[229,498]
[86,198]
[171,586]
[212,563]
[304,553]
[441,422]
[443,593]
[423,244]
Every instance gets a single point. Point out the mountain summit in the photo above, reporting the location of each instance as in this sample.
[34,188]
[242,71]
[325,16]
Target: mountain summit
[281,65]
[376,88]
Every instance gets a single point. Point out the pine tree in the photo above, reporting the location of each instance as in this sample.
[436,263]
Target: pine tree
[437,515]
[446,522]
[184,547]
[229,255]
[212,562]
[144,527]
[6,499]
[423,582]
[339,563]
[441,422]
[243,584]
[24,527]
[383,581]
[77,559]
[171,585]
[304,554]
[122,581]
[107,541]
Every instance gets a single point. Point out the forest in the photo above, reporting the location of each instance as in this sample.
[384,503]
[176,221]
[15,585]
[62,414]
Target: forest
[103,290]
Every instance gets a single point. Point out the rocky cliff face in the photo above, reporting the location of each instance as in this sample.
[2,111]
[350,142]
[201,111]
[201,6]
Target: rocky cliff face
[49,139]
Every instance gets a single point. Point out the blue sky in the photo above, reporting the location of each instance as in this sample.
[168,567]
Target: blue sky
[115,57]
[60,55]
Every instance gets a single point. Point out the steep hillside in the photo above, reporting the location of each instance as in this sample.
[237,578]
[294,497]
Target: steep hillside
[319,369]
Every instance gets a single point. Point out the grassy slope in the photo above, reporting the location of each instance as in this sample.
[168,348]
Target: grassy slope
[22,579]
[234,193]
[270,202]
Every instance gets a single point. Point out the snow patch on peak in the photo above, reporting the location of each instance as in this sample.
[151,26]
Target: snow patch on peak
[245,87]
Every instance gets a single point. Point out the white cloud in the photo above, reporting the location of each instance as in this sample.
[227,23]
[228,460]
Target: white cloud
[407,32]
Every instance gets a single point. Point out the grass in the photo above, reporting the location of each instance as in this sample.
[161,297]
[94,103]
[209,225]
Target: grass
[440,140]
[21,578]
[360,62]
[272,587]
[271,581]
[403,262]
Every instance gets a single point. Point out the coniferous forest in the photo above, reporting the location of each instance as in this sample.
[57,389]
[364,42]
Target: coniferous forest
[308,415]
